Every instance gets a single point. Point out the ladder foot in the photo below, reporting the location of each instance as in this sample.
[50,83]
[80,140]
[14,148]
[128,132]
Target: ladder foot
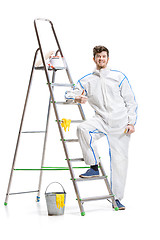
[5,203]
[82,213]
[38,199]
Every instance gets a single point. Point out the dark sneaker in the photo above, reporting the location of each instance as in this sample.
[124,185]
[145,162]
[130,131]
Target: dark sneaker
[90,173]
[120,205]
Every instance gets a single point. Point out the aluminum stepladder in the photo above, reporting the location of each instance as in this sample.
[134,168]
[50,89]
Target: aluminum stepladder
[51,84]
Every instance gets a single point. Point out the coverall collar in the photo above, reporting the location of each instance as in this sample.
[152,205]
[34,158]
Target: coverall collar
[102,72]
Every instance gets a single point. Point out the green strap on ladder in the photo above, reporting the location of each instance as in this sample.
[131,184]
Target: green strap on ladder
[46,168]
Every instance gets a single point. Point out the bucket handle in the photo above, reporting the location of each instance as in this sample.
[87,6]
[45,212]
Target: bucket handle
[55,182]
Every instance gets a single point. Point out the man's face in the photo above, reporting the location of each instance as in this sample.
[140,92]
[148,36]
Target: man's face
[101,60]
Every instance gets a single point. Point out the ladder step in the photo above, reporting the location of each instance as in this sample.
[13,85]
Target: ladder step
[56,68]
[34,132]
[39,68]
[77,121]
[61,85]
[23,192]
[73,121]
[66,103]
[70,140]
[91,178]
[49,68]
[96,198]
[76,159]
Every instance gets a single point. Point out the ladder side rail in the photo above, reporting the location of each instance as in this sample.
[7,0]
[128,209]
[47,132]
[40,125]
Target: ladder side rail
[20,128]
[64,61]
[108,185]
[57,118]
[81,111]
[45,140]
[44,150]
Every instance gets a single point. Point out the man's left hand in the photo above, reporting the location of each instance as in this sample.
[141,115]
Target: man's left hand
[130,129]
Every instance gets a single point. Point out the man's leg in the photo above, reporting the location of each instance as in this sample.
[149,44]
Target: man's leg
[119,163]
[88,133]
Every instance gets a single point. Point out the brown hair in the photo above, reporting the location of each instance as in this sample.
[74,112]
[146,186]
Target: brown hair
[99,49]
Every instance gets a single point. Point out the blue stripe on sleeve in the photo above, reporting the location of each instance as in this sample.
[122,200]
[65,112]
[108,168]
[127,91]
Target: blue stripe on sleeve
[130,88]
[79,81]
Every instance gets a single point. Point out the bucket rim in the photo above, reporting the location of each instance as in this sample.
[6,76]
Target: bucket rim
[54,192]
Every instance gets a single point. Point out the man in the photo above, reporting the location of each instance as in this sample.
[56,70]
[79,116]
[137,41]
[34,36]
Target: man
[110,94]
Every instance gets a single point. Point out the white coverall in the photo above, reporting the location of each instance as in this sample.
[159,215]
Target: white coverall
[110,95]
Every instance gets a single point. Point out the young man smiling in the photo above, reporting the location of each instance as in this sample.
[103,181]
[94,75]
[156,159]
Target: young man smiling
[110,94]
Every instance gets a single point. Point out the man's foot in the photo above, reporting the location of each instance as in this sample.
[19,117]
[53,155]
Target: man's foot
[120,205]
[90,173]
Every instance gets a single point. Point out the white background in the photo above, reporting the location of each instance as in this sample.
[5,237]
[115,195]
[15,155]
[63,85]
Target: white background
[130,31]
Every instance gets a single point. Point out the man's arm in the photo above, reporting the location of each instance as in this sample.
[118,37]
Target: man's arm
[130,103]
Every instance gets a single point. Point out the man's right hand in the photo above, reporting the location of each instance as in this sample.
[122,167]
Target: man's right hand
[81,99]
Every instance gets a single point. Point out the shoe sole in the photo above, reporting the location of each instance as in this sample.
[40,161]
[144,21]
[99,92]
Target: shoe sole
[122,208]
[88,176]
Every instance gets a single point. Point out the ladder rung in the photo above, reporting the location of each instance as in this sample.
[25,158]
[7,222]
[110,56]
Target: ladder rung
[34,132]
[91,178]
[56,68]
[77,121]
[73,121]
[61,85]
[66,103]
[96,198]
[23,192]
[76,159]
[49,68]
[70,140]
[39,68]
